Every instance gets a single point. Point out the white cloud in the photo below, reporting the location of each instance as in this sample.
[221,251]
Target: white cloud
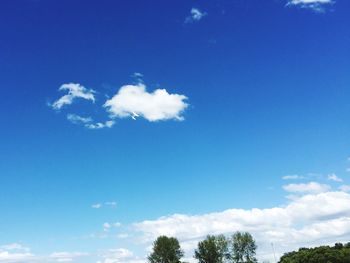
[312,187]
[14,246]
[100,125]
[112,204]
[137,75]
[309,220]
[306,2]
[106,227]
[15,252]
[123,235]
[292,177]
[66,256]
[8,257]
[87,122]
[334,177]
[316,5]
[195,15]
[74,90]
[134,100]
[96,206]
[119,255]
[344,188]
[76,119]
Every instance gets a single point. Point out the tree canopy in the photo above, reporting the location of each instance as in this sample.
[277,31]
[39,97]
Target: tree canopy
[339,253]
[214,249]
[243,248]
[166,250]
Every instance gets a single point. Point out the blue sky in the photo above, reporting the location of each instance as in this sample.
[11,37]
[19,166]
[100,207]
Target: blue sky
[124,121]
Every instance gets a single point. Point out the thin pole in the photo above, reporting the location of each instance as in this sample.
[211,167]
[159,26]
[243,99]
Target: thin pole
[274,254]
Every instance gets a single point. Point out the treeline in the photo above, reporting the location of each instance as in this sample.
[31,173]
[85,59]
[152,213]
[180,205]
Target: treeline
[339,253]
[238,248]
[241,248]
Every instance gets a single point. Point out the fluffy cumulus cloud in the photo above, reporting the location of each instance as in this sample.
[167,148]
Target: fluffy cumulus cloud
[195,16]
[135,101]
[312,187]
[312,219]
[316,5]
[74,91]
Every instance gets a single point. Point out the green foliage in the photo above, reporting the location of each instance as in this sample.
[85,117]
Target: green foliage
[214,249]
[243,248]
[324,254]
[166,250]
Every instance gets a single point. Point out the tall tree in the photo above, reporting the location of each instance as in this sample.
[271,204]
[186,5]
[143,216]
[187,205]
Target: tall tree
[243,248]
[166,250]
[214,249]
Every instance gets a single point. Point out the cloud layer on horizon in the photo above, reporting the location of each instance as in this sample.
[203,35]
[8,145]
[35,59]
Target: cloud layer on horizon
[309,220]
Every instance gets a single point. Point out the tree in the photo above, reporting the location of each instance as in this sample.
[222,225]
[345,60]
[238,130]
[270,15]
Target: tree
[324,254]
[243,248]
[166,250]
[214,249]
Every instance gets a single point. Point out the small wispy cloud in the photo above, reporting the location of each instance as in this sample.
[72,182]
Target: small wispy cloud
[96,206]
[88,123]
[74,91]
[315,5]
[106,227]
[334,177]
[15,252]
[137,75]
[308,188]
[14,246]
[195,15]
[292,177]
[110,204]
[118,255]
[135,101]
[76,119]
[123,235]
[100,125]
[66,256]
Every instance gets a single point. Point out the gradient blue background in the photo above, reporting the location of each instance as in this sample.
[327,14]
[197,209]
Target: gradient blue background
[268,89]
